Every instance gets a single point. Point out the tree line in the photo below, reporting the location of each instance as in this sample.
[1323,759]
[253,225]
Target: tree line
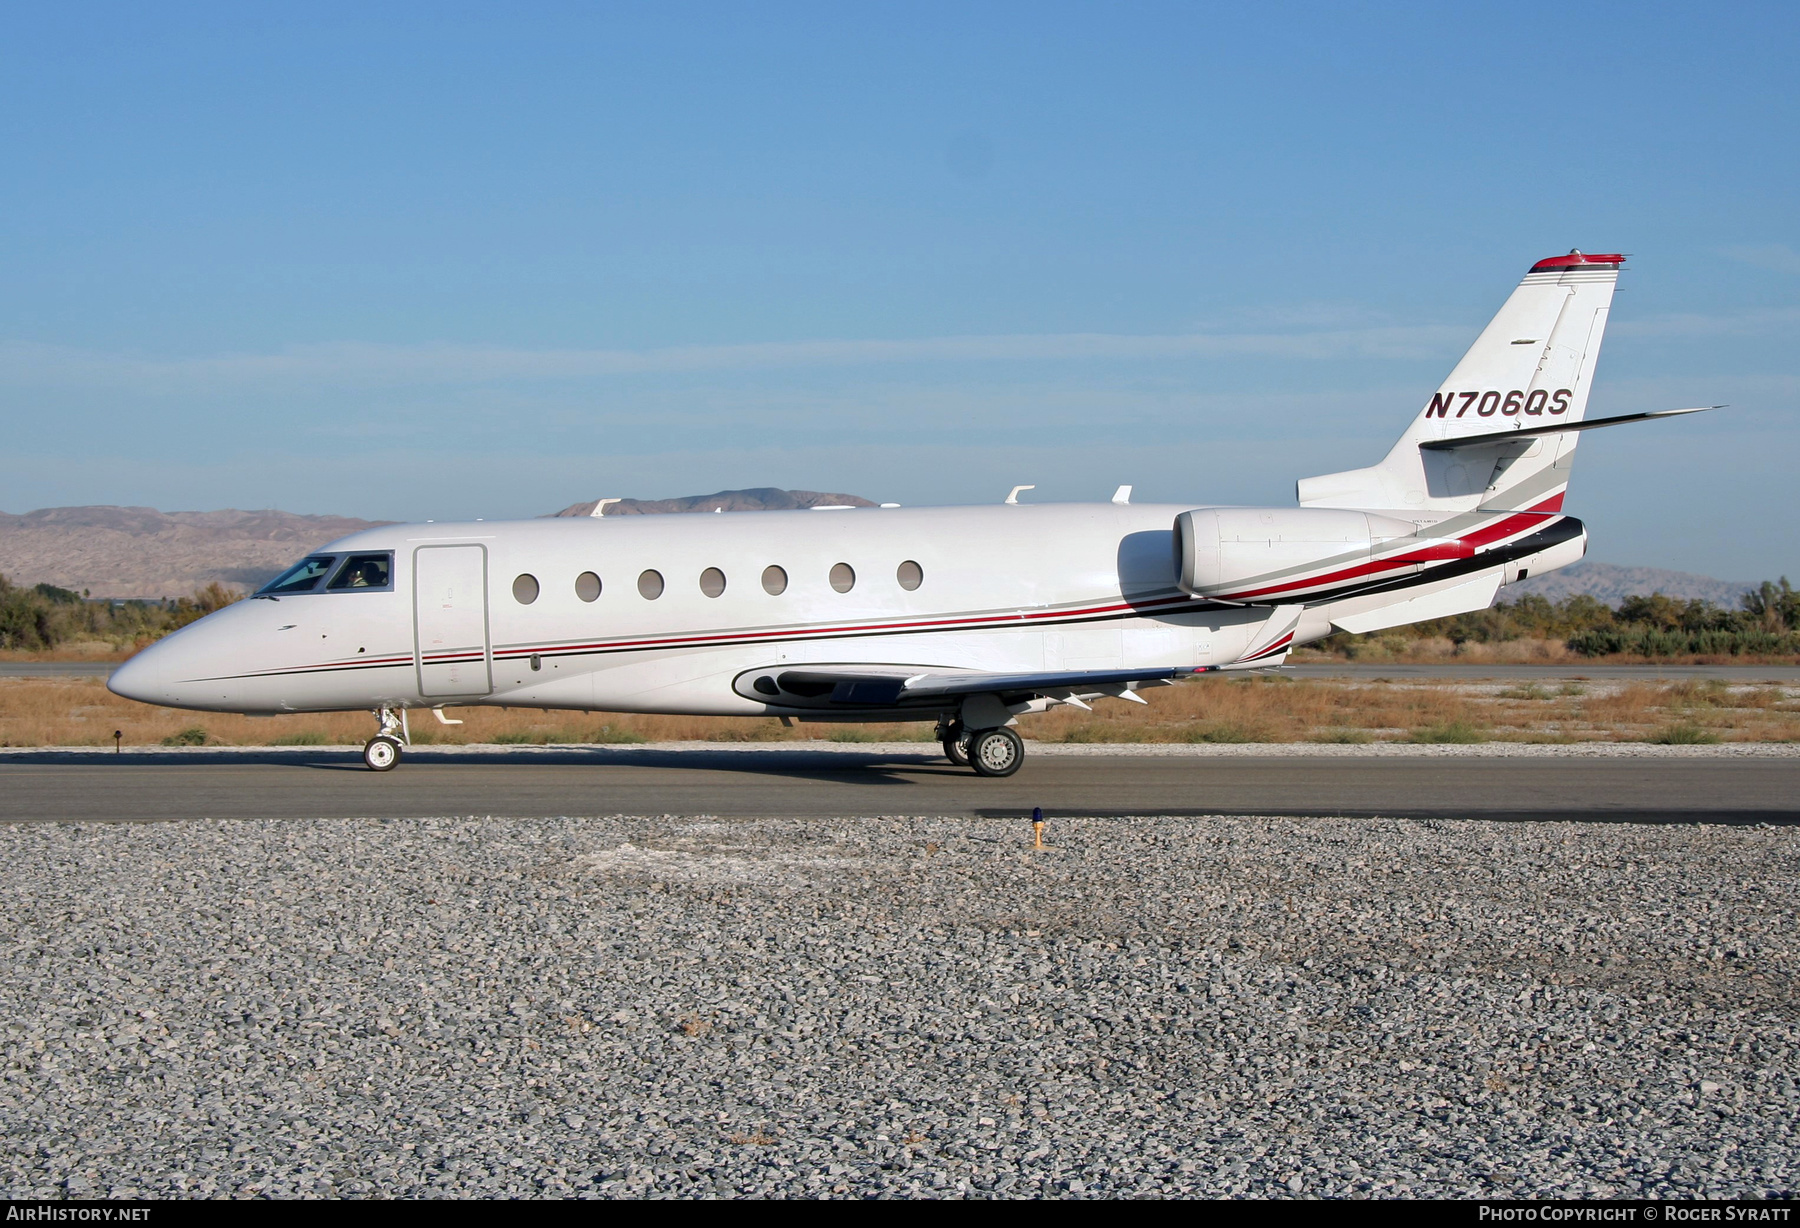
[44,616]
[1766,623]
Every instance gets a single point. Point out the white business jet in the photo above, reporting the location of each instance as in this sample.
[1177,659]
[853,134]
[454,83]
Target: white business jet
[970,617]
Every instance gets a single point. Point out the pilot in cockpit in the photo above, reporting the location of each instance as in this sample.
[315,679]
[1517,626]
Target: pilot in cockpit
[363,573]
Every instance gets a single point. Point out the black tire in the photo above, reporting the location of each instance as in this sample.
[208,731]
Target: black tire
[956,746]
[996,752]
[382,753]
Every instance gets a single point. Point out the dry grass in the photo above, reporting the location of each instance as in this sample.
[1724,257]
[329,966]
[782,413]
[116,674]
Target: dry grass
[1257,708]
[1399,648]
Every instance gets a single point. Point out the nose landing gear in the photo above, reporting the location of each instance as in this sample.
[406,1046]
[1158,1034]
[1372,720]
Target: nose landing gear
[382,752]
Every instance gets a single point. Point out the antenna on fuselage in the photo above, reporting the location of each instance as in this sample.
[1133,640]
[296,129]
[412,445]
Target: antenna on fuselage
[600,506]
[1014,497]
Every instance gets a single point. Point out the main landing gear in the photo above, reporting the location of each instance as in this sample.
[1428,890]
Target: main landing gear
[996,752]
[991,752]
[382,752]
[955,741]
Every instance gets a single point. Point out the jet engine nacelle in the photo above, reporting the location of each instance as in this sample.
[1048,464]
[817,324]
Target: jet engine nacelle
[1224,550]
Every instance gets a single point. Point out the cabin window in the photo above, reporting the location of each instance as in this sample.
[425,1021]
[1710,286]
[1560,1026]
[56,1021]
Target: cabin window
[774,580]
[364,571]
[587,586]
[843,577]
[302,577]
[650,585]
[712,581]
[910,575]
[525,589]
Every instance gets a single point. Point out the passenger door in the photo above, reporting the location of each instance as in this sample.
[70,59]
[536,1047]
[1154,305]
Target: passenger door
[450,621]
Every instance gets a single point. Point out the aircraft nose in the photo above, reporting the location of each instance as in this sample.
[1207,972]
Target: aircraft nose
[142,678]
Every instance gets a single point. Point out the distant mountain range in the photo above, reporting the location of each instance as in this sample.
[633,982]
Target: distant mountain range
[141,552]
[1612,584]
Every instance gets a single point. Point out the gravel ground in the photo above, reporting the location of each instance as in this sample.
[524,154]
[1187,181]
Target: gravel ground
[630,1006]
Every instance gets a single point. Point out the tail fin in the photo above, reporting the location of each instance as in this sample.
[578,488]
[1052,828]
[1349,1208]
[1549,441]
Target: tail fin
[1531,366]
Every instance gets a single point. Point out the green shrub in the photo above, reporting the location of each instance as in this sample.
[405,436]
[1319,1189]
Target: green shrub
[1347,737]
[1650,641]
[195,736]
[606,735]
[754,731]
[306,737]
[1684,734]
[1450,732]
[1224,732]
[535,737]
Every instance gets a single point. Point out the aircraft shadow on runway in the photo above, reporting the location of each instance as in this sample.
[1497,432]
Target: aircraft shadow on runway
[800,763]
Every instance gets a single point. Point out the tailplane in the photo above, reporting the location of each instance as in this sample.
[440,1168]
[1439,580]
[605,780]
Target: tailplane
[1531,367]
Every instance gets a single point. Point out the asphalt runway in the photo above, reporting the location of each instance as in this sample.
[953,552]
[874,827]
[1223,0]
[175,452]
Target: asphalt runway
[836,784]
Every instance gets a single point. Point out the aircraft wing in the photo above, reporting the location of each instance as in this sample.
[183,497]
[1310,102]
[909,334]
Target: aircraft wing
[889,686]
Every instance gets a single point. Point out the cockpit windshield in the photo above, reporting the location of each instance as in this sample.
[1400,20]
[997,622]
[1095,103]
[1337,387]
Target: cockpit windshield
[302,577]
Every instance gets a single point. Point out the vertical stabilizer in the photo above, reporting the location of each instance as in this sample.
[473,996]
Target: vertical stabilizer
[1532,366]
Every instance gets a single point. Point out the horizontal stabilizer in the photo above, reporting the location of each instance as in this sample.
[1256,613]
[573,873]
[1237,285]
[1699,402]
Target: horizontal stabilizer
[1558,428]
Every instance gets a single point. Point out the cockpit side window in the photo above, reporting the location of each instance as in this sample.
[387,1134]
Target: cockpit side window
[302,577]
[364,571]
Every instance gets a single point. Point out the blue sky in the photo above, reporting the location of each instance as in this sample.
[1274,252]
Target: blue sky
[464,260]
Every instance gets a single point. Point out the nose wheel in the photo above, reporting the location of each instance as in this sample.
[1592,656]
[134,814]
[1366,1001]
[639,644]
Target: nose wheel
[381,753]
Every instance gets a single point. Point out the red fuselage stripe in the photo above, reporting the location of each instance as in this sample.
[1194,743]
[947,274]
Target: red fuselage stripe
[1506,527]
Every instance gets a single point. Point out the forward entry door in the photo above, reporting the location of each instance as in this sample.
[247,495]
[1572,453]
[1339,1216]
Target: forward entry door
[450,621]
